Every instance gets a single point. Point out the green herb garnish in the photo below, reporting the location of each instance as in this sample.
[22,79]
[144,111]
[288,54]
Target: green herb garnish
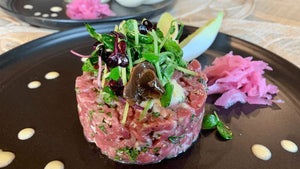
[193,116]
[175,139]
[92,32]
[212,121]
[108,95]
[144,149]
[109,114]
[224,130]
[165,100]
[115,73]
[102,127]
[156,114]
[155,150]
[130,151]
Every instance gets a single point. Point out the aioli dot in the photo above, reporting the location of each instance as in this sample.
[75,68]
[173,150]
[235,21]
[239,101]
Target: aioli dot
[54,15]
[55,165]
[45,15]
[261,152]
[37,14]
[6,158]
[56,9]
[27,6]
[83,59]
[34,84]
[51,75]
[289,146]
[26,133]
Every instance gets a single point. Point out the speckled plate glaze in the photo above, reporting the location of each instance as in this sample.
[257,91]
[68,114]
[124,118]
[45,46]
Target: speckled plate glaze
[62,22]
[51,110]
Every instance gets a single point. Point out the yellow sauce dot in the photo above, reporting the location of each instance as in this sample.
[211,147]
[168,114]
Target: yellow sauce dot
[34,84]
[289,146]
[6,158]
[26,133]
[51,75]
[55,165]
[261,152]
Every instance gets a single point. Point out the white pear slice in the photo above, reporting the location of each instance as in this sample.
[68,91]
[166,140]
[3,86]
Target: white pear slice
[199,41]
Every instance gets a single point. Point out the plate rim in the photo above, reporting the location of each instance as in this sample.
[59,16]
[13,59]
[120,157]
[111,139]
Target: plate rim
[54,23]
[82,30]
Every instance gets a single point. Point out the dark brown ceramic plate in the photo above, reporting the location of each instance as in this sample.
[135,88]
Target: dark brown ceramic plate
[51,110]
[62,22]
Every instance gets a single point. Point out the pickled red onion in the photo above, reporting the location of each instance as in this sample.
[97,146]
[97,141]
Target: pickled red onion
[88,9]
[239,79]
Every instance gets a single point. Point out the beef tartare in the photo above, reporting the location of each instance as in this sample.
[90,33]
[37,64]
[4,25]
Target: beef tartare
[138,101]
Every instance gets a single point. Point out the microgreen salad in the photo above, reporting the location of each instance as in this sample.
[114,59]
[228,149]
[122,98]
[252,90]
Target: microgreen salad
[140,46]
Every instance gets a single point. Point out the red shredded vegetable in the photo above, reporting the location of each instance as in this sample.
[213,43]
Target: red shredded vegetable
[88,9]
[239,79]
[79,55]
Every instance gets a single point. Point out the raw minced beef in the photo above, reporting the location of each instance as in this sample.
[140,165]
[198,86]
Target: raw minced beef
[162,133]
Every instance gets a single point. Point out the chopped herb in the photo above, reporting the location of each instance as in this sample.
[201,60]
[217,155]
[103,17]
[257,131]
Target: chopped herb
[193,116]
[91,114]
[206,88]
[155,150]
[155,114]
[201,80]
[117,158]
[101,111]
[102,127]
[92,134]
[130,151]
[144,149]
[175,139]
[109,114]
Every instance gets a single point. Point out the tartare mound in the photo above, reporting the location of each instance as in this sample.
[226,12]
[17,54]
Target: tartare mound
[163,132]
